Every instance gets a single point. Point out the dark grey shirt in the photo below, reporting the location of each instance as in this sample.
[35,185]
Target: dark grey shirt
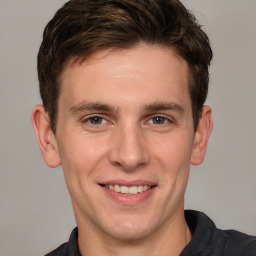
[207,240]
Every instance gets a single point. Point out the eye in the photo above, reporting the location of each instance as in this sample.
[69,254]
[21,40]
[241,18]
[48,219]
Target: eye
[159,120]
[95,120]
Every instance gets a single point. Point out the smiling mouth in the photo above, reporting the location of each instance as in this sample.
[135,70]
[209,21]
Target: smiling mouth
[128,190]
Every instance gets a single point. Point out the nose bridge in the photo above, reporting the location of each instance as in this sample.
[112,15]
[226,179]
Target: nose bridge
[129,150]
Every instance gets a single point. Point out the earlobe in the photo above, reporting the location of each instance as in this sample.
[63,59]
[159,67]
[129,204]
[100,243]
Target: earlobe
[45,136]
[202,135]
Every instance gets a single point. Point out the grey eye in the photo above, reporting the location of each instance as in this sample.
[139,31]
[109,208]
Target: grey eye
[96,120]
[158,120]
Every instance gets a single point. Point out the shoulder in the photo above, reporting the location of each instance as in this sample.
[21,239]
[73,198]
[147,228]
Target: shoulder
[68,249]
[60,251]
[209,240]
[235,243]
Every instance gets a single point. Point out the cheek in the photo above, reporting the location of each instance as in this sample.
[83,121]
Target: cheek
[173,157]
[81,159]
[174,150]
[80,155]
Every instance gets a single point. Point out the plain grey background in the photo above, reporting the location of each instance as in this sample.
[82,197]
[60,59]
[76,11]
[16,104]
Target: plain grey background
[35,211]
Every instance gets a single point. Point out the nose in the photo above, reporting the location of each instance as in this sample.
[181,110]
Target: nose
[129,150]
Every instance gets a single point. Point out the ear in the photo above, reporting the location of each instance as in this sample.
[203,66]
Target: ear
[45,136]
[202,135]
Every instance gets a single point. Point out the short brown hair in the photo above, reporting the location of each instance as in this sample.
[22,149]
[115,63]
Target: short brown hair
[81,27]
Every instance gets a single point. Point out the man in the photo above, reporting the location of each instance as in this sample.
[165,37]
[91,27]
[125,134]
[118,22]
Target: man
[123,84]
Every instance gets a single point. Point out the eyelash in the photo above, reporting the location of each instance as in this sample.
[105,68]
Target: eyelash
[90,118]
[165,120]
[162,118]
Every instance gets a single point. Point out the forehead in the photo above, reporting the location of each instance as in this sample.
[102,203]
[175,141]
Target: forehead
[141,71]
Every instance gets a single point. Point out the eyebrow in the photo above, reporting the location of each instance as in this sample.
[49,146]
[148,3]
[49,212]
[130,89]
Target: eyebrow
[89,106]
[160,106]
[97,106]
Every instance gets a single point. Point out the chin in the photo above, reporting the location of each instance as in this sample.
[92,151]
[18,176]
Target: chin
[130,230]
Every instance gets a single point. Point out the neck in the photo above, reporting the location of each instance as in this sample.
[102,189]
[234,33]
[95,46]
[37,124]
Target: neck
[169,239]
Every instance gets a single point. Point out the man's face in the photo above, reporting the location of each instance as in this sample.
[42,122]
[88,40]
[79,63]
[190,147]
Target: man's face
[125,139]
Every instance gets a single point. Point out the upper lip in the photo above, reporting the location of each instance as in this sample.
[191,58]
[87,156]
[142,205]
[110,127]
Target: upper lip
[128,183]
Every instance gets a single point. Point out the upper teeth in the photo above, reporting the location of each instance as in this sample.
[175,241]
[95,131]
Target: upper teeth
[128,190]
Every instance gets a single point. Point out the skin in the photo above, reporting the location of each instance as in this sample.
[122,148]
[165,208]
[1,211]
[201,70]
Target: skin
[125,117]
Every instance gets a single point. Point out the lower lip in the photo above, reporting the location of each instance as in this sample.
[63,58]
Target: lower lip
[127,199]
